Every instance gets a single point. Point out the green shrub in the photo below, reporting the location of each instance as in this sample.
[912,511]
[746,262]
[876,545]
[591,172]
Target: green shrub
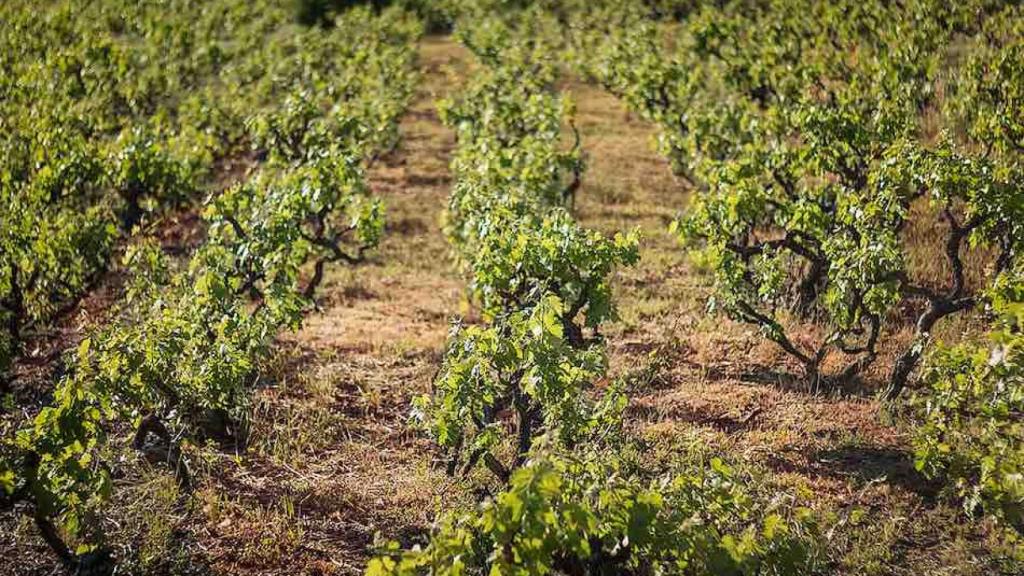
[564,514]
[970,416]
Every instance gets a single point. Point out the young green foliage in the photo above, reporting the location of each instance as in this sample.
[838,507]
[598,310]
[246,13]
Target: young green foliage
[969,415]
[540,279]
[565,514]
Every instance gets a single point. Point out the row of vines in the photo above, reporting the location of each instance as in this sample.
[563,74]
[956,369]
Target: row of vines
[826,144]
[522,405]
[117,113]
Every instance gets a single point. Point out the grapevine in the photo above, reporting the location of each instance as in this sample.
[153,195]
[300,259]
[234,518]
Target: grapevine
[184,348]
